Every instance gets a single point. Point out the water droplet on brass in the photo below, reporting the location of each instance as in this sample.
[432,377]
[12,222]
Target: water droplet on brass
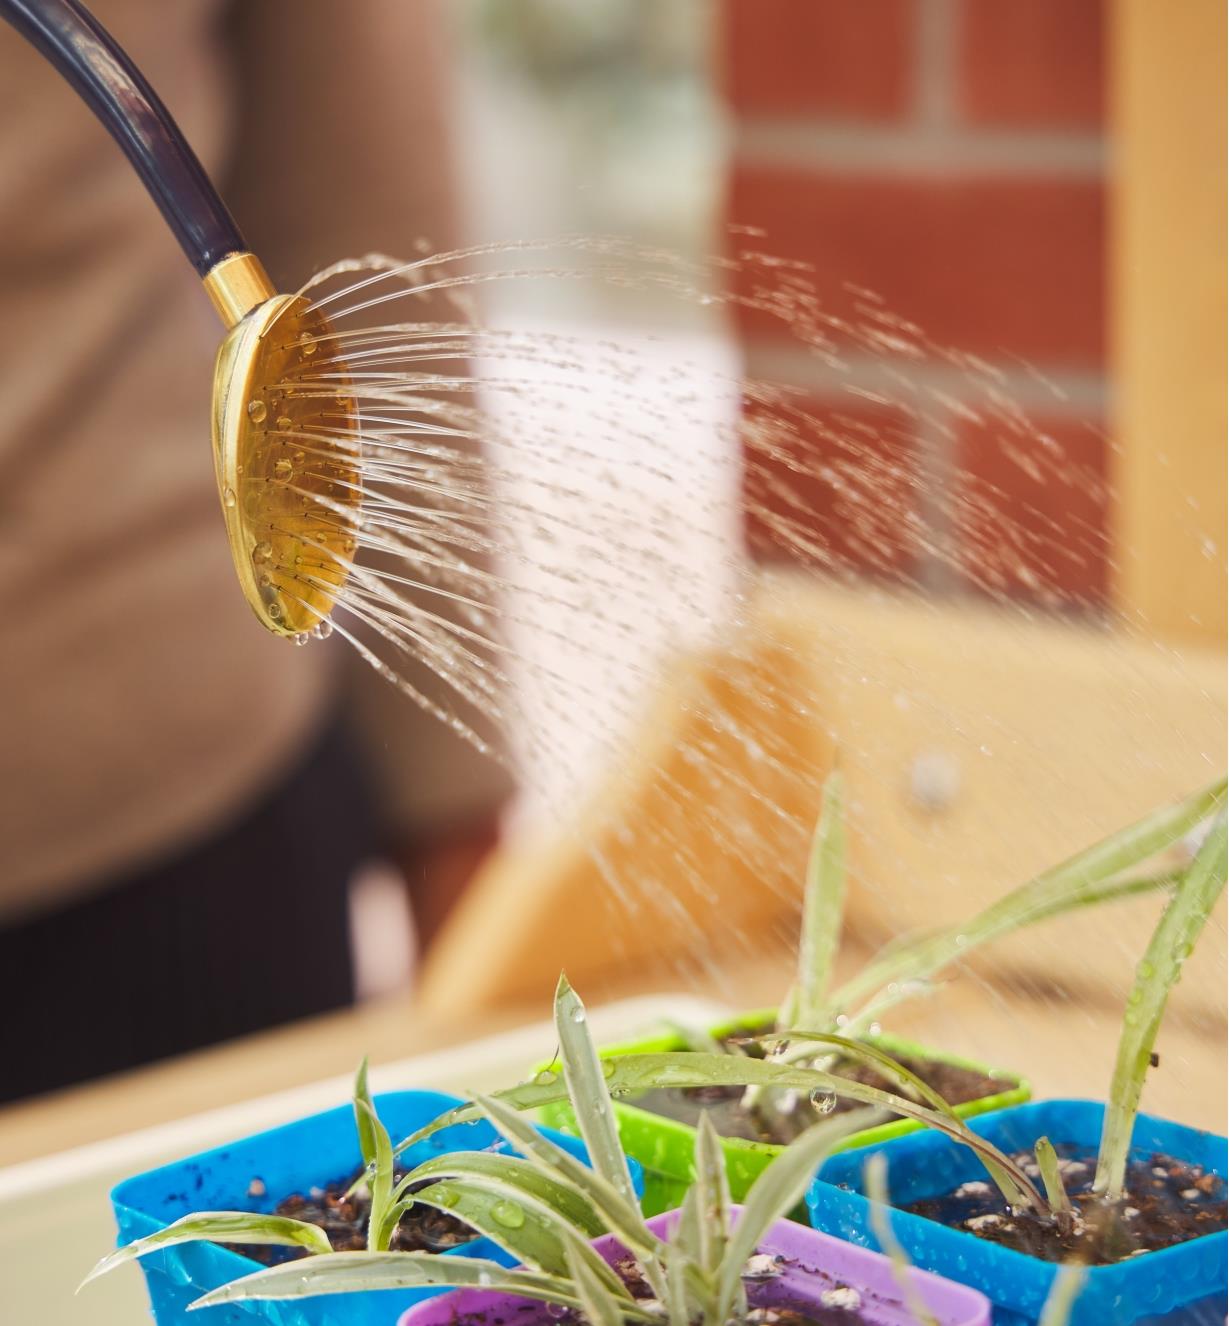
[283,471]
[228,497]
[257,411]
[262,552]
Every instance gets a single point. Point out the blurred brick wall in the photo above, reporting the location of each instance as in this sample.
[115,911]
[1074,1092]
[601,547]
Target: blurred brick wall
[949,155]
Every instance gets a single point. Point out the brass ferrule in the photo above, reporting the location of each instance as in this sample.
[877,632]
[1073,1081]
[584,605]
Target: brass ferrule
[237,285]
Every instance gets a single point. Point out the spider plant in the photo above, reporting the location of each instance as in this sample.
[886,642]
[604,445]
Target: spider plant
[631,1074]
[1107,871]
[1159,970]
[1056,1311]
[547,1208]
[249,1227]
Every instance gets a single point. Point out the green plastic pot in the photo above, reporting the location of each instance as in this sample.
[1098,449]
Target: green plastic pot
[665,1147]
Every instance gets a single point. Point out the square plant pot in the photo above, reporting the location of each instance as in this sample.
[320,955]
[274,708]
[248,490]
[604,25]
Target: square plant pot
[811,1265]
[927,1164]
[665,1147]
[314,1151]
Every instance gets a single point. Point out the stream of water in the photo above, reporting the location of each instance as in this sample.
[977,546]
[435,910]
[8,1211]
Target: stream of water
[553,525]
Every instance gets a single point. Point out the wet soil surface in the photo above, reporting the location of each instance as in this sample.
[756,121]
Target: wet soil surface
[1167,1202]
[794,1113]
[344,1220]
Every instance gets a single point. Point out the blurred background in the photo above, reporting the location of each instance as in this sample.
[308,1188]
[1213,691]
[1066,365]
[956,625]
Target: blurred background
[1040,188]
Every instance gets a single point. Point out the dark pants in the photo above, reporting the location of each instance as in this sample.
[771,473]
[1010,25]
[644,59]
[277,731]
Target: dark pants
[242,932]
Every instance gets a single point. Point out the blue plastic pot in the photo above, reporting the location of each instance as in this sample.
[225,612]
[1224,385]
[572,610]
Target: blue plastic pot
[928,1164]
[312,1151]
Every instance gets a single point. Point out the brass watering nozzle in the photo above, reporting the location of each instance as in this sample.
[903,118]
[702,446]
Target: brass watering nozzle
[285,423]
[285,449]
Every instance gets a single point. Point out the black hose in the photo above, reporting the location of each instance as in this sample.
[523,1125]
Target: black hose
[87,56]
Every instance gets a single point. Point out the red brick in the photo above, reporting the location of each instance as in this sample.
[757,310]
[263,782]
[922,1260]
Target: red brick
[988,264]
[850,59]
[831,486]
[1031,63]
[1030,510]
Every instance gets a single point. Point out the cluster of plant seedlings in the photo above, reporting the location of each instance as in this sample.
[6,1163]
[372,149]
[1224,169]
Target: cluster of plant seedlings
[1105,872]
[545,1207]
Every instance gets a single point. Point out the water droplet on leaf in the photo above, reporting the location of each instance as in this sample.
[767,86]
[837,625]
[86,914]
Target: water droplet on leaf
[508,1214]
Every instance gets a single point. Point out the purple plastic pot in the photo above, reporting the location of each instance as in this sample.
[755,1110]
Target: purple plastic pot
[814,1264]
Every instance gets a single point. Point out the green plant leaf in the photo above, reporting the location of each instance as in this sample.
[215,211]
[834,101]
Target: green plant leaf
[775,1192]
[677,1301]
[1063,1292]
[601,1307]
[875,1181]
[1052,1177]
[523,1225]
[632,1074]
[510,1173]
[1172,941]
[363,1117]
[622,1217]
[823,908]
[712,1189]
[381,1180]
[219,1227]
[360,1272]
[588,1092]
[686,1238]
[1085,879]
[801,1048]
[682,1307]
[797,1051]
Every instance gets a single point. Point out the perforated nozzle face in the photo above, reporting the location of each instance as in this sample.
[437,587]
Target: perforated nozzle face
[286,451]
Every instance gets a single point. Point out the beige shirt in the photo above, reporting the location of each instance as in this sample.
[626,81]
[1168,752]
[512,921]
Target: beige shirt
[141,703]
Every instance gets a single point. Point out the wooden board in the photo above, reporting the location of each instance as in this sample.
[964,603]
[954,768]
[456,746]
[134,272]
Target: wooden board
[1046,735]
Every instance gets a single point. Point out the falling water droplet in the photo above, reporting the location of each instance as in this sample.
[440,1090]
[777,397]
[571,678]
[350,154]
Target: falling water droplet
[257,411]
